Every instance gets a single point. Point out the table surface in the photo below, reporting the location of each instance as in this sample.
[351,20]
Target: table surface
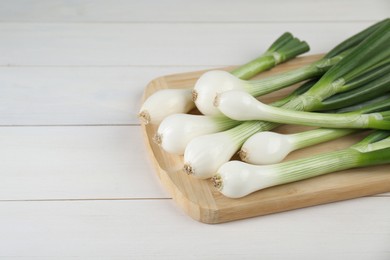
[76,181]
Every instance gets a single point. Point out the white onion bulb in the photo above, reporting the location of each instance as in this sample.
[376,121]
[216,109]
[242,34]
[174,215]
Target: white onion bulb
[266,148]
[270,148]
[240,105]
[205,154]
[177,130]
[165,102]
[236,179]
[212,83]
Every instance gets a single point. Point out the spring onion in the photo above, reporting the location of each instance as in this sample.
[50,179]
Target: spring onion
[210,84]
[172,101]
[236,179]
[270,147]
[239,105]
[177,130]
[205,154]
[216,81]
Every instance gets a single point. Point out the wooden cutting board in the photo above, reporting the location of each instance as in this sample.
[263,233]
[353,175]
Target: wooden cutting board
[200,200]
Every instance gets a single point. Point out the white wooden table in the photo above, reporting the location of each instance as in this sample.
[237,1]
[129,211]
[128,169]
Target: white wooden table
[75,179]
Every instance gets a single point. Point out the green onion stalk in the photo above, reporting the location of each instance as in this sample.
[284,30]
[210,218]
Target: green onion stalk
[283,49]
[371,85]
[239,105]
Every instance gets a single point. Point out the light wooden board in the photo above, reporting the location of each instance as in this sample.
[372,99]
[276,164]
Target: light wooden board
[152,229]
[197,11]
[202,202]
[145,44]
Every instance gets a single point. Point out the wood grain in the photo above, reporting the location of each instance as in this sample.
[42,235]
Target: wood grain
[202,202]
[199,11]
[75,95]
[149,229]
[99,197]
[75,162]
[157,44]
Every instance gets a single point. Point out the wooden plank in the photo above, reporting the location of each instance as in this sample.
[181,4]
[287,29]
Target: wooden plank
[26,44]
[204,203]
[199,11]
[75,95]
[154,229]
[75,163]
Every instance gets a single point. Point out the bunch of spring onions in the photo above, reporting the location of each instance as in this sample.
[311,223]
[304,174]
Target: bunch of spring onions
[362,52]
[344,92]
